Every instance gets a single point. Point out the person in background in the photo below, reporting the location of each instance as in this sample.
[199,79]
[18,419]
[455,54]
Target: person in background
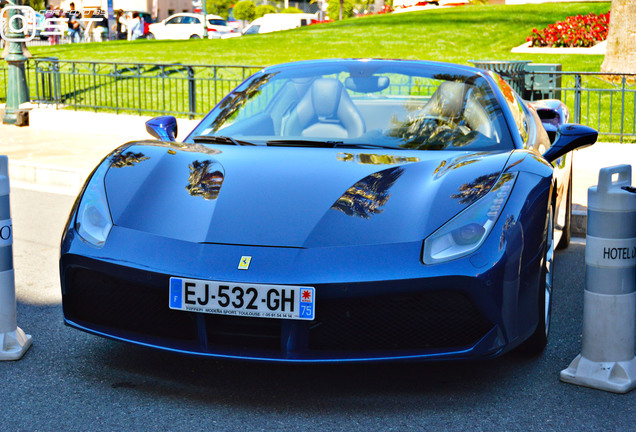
[74,26]
[100,31]
[120,26]
[53,14]
[135,27]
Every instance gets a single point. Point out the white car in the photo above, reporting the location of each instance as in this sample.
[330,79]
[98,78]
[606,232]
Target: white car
[273,22]
[188,26]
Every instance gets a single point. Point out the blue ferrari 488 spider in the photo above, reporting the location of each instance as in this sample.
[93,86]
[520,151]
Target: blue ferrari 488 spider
[332,210]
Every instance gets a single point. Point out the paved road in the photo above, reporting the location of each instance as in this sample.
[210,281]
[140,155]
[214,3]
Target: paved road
[72,381]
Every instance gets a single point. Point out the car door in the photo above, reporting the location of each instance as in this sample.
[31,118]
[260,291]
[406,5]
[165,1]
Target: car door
[191,26]
[170,28]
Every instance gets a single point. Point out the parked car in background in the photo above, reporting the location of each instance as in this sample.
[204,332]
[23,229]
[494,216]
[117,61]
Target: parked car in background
[332,210]
[236,25]
[274,22]
[217,27]
[188,26]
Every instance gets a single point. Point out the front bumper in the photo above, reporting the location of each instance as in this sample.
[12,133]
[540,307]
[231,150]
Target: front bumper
[389,306]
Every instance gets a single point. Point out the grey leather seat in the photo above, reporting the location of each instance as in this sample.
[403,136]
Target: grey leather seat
[325,111]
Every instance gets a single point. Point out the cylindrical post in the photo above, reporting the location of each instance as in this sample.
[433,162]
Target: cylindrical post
[17,89]
[607,359]
[13,341]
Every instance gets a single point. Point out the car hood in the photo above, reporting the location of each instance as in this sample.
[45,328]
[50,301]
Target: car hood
[293,197]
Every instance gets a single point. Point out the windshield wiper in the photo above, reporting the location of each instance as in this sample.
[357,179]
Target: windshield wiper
[323,144]
[303,143]
[220,139]
[369,146]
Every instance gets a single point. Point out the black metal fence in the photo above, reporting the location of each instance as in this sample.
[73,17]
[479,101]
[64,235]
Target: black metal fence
[143,88]
[606,102]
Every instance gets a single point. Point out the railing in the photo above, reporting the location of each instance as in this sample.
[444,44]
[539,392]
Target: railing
[143,88]
[604,101]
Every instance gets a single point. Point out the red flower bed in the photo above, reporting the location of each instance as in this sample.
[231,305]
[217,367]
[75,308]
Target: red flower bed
[575,31]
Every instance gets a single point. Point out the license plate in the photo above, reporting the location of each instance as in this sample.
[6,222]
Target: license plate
[240,299]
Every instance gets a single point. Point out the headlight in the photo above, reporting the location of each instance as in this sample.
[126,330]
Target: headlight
[93,222]
[466,232]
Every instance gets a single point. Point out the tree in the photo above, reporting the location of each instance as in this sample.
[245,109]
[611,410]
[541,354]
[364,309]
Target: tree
[339,9]
[291,10]
[621,39]
[263,9]
[219,7]
[245,10]
[38,5]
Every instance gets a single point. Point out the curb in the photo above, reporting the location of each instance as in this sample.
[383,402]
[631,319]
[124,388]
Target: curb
[46,177]
[578,223]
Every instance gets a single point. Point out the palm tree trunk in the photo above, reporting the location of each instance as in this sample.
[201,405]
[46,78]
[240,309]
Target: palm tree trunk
[621,39]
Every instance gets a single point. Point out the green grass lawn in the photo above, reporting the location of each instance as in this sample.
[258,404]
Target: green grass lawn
[454,35]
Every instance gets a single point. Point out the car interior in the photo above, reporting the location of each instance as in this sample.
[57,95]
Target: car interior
[369,108]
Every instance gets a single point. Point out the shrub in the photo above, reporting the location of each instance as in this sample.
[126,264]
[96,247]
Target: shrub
[263,9]
[245,10]
[291,10]
[333,9]
[575,31]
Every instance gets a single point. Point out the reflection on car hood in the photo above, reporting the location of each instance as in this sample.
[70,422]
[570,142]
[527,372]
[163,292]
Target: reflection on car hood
[292,197]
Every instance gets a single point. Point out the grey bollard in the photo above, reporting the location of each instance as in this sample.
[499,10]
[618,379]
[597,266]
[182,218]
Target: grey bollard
[13,341]
[607,359]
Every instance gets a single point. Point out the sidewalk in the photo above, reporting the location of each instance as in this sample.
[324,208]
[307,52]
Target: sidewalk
[60,148]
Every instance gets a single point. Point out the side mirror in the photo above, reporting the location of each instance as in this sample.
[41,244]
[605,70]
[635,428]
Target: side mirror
[163,128]
[570,137]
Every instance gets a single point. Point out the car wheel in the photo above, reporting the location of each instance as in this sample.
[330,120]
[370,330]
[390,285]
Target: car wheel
[150,36]
[539,339]
[195,37]
[565,238]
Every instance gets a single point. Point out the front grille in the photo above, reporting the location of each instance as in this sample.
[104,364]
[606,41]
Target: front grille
[243,332]
[441,319]
[125,306]
[115,303]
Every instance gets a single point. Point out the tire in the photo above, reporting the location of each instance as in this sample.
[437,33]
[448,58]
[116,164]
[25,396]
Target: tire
[539,339]
[565,238]
[195,37]
[150,36]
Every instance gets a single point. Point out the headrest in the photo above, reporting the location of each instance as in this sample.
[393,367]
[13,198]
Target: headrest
[325,96]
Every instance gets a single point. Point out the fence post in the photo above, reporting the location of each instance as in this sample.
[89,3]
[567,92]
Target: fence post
[116,81]
[577,98]
[192,95]
[139,99]
[622,109]
[74,87]
[216,95]
[57,81]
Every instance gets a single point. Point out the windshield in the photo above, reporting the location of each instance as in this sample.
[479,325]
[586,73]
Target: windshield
[362,103]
